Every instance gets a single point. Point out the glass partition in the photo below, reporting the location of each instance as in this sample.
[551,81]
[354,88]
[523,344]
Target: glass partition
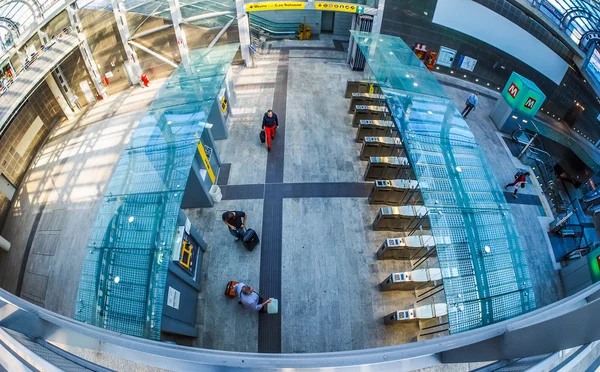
[125,270]
[483,266]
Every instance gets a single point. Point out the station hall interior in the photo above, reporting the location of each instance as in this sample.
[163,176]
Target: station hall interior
[432,179]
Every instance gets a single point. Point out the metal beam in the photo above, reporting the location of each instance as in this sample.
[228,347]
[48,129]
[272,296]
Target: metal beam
[86,52]
[153,53]
[151,31]
[132,65]
[378,18]
[244,31]
[177,20]
[214,41]
[207,16]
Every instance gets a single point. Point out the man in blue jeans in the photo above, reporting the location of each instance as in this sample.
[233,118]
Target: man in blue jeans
[236,222]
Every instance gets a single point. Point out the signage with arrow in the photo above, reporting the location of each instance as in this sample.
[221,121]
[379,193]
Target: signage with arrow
[275,5]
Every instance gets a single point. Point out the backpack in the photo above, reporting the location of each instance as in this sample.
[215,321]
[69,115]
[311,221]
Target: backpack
[519,173]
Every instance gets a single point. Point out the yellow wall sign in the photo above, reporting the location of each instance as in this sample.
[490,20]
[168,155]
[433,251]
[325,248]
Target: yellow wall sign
[275,5]
[223,105]
[206,162]
[338,7]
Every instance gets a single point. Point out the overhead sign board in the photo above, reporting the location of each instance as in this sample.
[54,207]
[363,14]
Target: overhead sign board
[523,95]
[339,7]
[275,5]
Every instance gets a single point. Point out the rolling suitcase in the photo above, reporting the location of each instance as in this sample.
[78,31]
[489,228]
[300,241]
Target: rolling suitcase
[250,239]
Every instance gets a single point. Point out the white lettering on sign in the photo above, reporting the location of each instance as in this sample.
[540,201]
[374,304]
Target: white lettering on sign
[513,90]
[530,103]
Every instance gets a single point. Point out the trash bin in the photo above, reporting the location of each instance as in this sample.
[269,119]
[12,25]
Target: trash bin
[215,193]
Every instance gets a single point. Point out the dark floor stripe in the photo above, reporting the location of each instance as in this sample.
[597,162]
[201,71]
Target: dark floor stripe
[275,157]
[522,199]
[34,228]
[326,190]
[339,45]
[269,326]
[224,171]
[486,95]
[241,192]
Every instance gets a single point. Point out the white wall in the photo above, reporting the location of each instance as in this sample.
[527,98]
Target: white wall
[488,26]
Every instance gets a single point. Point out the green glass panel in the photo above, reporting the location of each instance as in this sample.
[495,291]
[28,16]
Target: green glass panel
[484,269]
[125,269]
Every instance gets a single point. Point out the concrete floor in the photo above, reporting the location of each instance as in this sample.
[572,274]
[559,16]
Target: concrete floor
[329,297]
[56,205]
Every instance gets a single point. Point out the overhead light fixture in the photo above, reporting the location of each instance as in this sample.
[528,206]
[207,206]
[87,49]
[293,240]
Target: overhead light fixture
[415,84]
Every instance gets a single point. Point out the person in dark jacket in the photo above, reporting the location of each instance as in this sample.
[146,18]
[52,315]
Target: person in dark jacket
[269,123]
[520,180]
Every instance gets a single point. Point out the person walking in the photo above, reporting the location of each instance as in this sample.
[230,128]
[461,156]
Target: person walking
[470,104]
[520,180]
[269,124]
[250,299]
[236,223]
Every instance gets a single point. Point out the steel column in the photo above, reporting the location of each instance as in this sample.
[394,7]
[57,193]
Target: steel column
[378,19]
[135,71]
[177,20]
[60,98]
[244,30]
[85,50]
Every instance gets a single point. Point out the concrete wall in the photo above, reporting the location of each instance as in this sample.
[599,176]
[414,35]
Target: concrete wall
[342,23]
[57,24]
[75,72]
[43,104]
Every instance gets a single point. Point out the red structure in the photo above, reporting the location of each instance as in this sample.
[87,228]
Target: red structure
[145,80]
[432,56]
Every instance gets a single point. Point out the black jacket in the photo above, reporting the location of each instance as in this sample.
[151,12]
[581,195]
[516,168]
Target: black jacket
[270,122]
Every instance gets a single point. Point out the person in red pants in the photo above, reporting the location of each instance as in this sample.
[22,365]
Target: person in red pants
[269,124]
[520,180]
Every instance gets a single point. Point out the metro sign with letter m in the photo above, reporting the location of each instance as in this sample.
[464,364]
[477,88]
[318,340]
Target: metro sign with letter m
[530,103]
[513,90]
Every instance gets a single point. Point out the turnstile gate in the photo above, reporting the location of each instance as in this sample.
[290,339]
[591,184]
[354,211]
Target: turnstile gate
[408,248]
[375,128]
[361,86]
[396,192]
[365,99]
[416,314]
[380,146]
[388,168]
[369,113]
[405,218]
[411,280]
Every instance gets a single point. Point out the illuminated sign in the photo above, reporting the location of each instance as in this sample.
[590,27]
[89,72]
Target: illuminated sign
[275,5]
[513,90]
[530,103]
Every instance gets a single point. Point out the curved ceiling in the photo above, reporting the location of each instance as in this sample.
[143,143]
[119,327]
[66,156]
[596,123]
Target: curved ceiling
[578,18]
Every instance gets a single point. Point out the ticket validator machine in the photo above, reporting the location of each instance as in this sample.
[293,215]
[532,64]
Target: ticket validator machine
[411,280]
[407,248]
[405,218]
[416,314]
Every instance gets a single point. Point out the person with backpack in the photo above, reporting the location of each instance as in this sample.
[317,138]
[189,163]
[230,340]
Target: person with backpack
[269,124]
[250,299]
[520,179]
[236,223]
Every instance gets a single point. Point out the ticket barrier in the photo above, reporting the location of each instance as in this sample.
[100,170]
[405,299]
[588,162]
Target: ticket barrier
[416,314]
[380,146]
[388,168]
[407,248]
[411,280]
[396,192]
[365,99]
[361,86]
[363,112]
[375,128]
[405,218]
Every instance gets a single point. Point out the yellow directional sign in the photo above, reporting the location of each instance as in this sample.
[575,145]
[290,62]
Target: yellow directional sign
[339,7]
[206,162]
[275,5]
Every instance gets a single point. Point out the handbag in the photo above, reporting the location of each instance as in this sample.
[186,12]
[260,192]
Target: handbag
[262,136]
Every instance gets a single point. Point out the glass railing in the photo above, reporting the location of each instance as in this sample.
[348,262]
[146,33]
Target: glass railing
[124,273]
[484,268]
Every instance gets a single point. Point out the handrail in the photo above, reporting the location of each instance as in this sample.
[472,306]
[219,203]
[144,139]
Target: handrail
[517,337]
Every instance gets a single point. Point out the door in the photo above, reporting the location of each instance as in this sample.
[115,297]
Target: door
[87,91]
[327,22]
